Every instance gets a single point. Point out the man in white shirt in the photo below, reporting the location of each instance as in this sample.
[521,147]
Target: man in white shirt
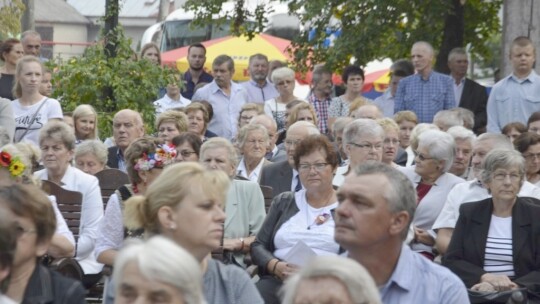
[473,190]
[173,98]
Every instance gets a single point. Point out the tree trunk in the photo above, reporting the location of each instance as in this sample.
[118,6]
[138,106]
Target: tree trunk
[454,28]
[110,38]
[27,20]
[163,10]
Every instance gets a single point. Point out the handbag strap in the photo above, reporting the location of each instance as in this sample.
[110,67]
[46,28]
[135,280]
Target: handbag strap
[32,120]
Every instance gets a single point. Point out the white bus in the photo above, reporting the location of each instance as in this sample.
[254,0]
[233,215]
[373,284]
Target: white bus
[176,31]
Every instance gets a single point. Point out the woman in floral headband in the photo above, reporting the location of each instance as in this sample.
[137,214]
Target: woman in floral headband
[15,168]
[145,159]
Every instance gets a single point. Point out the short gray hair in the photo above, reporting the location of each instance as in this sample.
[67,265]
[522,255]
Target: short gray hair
[459,132]
[160,259]
[506,159]
[401,196]
[245,130]
[441,146]
[311,128]
[219,142]
[447,119]
[419,129]
[357,280]
[340,124]
[360,128]
[94,147]
[500,141]
[466,115]
[282,73]
[58,131]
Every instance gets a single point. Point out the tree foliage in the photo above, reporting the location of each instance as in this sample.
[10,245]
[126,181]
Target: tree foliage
[135,84]
[11,12]
[370,29]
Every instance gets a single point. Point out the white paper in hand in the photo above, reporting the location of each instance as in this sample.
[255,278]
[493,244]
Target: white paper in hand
[300,254]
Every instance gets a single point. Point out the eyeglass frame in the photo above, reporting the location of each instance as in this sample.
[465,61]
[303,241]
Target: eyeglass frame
[306,167]
[367,147]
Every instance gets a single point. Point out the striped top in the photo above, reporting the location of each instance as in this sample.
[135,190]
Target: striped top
[498,258]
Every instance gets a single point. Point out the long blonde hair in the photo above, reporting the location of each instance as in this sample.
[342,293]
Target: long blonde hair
[85,110]
[170,188]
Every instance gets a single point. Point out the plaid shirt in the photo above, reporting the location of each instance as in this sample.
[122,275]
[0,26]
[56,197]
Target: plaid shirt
[321,108]
[425,97]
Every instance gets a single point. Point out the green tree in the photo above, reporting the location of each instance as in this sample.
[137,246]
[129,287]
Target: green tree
[370,29]
[134,84]
[11,12]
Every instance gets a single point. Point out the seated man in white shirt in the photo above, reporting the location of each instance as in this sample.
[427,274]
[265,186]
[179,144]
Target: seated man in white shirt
[473,190]
[172,99]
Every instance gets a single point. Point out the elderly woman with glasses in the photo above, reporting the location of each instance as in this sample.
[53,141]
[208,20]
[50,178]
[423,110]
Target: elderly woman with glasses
[252,142]
[495,244]
[528,144]
[430,177]
[301,219]
[362,142]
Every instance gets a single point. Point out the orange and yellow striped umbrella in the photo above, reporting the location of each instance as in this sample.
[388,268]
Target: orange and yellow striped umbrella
[377,81]
[239,48]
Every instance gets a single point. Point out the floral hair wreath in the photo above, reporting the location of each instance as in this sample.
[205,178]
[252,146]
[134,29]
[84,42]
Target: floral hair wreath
[165,154]
[13,164]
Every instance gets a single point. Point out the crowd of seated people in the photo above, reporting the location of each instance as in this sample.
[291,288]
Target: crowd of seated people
[246,193]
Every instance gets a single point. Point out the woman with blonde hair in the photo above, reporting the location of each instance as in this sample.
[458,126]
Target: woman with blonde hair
[85,121]
[185,204]
[391,140]
[302,111]
[31,109]
[170,124]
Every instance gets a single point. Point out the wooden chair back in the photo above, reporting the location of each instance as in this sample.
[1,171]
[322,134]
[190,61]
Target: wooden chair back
[109,181]
[69,203]
[268,196]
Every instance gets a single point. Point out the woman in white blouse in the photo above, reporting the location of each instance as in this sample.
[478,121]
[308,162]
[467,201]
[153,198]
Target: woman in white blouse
[31,109]
[57,144]
[283,79]
[303,218]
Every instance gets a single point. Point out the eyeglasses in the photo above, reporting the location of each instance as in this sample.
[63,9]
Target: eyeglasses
[284,82]
[186,153]
[514,177]
[531,156]
[307,167]
[421,156]
[391,141]
[21,230]
[253,142]
[534,130]
[290,142]
[367,147]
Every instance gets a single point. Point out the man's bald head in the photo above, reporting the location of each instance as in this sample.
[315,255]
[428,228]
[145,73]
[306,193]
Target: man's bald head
[422,54]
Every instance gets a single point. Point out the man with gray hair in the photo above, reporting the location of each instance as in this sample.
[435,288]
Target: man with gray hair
[31,42]
[362,142]
[225,96]
[258,88]
[472,191]
[282,176]
[127,127]
[376,206]
[464,139]
[426,92]
[468,93]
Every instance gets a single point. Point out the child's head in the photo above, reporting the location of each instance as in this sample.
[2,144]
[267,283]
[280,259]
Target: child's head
[85,122]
